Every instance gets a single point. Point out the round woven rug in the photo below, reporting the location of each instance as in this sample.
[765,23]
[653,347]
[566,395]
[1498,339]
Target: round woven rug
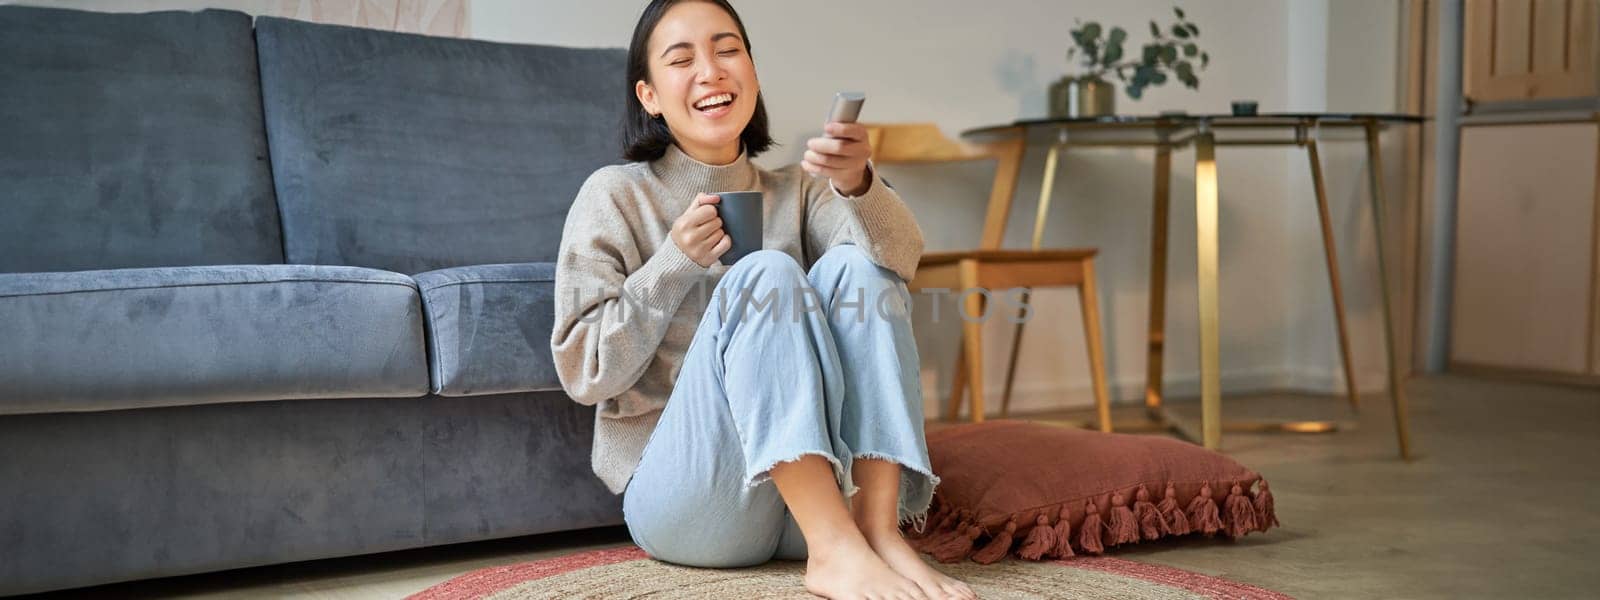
[628,573]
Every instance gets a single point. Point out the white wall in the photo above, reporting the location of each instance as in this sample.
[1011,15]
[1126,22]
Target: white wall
[966,64]
[1360,71]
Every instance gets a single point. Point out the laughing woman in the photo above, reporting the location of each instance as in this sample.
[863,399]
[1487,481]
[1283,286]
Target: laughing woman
[779,416]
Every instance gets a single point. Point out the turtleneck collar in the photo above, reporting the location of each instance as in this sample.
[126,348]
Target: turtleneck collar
[679,170]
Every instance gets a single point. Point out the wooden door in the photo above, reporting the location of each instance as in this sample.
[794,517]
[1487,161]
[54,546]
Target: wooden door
[1525,248]
[1530,49]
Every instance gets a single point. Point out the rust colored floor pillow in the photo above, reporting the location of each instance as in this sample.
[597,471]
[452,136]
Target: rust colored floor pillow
[1040,491]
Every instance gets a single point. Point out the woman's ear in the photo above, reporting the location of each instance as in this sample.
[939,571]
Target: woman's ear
[647,97]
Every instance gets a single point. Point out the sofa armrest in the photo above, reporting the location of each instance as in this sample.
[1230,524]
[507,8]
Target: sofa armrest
[489,328]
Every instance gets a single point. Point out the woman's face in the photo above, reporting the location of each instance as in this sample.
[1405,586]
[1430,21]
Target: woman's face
[702,81]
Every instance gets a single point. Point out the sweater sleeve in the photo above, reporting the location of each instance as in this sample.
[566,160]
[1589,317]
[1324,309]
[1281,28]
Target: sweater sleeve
[877,221]
[609,321]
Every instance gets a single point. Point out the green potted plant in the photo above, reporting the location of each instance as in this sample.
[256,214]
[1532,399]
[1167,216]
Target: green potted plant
[1173,53]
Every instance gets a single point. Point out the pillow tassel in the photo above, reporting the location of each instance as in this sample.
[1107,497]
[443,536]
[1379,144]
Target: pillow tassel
[1203,512]
[998,547]
[1171,514]
[1089,532]
[1124,527]
[953,524]
[959,547]
[1063,533]
[1041,539]
[1150,524]
[1241,515]
[1266,513]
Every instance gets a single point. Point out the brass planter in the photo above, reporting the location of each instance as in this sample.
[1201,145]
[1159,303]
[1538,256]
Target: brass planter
[1074,97]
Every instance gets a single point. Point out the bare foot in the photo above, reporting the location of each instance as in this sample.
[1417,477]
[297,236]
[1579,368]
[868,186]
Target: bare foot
[850,570]
[905,560]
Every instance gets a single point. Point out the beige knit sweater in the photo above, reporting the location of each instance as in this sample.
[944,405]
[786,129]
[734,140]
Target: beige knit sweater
[628,300]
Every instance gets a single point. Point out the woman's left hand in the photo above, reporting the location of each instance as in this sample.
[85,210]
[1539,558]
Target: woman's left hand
[841,157]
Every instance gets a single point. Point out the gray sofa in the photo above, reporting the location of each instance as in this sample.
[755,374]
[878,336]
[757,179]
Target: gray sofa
[279,291]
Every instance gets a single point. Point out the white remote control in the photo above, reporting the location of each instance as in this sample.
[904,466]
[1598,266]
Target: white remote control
[846,107]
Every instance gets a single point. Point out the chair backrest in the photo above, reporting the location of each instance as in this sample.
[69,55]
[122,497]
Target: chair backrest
[925,143]
[131,140]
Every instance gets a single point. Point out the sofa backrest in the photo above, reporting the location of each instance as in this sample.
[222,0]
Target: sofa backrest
[131,140]
[410,153]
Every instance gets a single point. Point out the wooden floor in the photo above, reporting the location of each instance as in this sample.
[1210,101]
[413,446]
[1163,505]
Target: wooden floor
[1500,503]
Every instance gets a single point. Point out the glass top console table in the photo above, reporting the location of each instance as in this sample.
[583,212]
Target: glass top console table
[1165,133]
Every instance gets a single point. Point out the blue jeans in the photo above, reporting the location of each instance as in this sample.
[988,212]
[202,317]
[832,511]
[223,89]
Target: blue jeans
[784,364]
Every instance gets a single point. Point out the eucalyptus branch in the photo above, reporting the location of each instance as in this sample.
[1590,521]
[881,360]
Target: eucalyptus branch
[1173,51]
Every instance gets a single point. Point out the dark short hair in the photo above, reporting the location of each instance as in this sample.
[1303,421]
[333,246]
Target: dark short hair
[646,138]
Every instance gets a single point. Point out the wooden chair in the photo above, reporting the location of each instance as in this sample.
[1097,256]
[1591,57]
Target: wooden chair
[991,267]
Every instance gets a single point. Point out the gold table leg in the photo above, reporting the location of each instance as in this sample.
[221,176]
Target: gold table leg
[1205,221]
[1206,224]
[1397,393]
[1321,190]
[1206,210]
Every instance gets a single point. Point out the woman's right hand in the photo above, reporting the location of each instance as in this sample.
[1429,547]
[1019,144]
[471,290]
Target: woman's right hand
[698,231]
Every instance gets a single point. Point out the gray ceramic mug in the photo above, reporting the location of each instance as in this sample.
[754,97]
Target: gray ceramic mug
[741,219]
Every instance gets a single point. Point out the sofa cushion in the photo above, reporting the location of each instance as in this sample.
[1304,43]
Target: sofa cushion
[412,153]
[489,328]
[131,140]
[130,338]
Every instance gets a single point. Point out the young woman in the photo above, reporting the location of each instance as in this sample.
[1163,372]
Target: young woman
[779,416]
